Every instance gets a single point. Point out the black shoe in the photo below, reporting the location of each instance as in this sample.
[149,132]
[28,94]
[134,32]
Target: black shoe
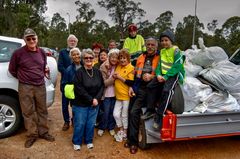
[147,115]
[65,126]
[29,142]
[47,137]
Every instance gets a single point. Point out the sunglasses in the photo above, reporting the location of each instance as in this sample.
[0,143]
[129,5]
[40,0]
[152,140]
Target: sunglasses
[29,39]
[90,58]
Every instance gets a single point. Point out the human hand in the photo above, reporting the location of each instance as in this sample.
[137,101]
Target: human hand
[131,92]
[147,77]
[160,78]
[47,72]
[115,75]
[95,102]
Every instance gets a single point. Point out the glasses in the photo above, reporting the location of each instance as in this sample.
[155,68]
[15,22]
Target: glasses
[88,58]
[29,39]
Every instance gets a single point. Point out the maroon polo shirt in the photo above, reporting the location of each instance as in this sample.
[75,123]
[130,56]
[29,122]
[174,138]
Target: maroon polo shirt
[28,66]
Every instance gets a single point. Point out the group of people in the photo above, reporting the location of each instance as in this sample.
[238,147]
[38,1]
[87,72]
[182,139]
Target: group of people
[109,84]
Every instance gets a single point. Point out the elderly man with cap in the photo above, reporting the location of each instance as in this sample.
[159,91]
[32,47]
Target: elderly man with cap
[28,65]
[134,43]
[64,61]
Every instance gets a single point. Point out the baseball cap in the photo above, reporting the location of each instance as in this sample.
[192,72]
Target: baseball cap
[29,32]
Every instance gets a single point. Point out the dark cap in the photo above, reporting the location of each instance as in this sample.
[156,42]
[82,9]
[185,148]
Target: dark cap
[168,33]
[29,32]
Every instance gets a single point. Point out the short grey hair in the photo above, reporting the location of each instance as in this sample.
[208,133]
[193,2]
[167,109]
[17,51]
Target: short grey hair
[74,49]
[151,39]
[113,52]
[71,36]
[87,51]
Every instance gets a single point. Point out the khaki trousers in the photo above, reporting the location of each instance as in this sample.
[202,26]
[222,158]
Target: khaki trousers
[34,110]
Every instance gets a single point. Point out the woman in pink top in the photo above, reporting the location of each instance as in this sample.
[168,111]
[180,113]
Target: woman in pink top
[107,121]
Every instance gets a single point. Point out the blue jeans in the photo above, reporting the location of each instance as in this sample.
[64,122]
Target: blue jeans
[84,119]
[107,120]
[65,112]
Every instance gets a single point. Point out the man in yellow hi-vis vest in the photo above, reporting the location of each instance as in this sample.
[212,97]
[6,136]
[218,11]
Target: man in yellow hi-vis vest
[134,43]
[169,72]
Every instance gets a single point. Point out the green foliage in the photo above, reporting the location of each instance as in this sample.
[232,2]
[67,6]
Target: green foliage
[146,29]
[163,22]
[85,12]
[184,32]
[57,32]
[17,15]
[122,12]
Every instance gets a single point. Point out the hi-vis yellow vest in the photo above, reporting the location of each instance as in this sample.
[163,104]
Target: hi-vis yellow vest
[167,59]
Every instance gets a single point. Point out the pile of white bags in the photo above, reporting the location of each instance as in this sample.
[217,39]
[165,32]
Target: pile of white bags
[194,90]
[219,71]
[217,102]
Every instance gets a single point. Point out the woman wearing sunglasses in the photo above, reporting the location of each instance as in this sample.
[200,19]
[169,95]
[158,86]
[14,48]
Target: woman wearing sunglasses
[88,89]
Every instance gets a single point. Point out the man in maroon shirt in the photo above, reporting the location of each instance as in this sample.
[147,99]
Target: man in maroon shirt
[28,65]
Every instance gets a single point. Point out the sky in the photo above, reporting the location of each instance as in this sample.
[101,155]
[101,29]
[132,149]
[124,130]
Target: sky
[207,10]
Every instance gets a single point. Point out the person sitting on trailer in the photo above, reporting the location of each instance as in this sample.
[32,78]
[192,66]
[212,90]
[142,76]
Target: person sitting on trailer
[169,72]
[144,72]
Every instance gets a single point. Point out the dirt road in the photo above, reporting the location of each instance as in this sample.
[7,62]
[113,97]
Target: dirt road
[107,148]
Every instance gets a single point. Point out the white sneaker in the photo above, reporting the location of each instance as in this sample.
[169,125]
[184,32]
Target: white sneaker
[124,136]
[76,147]
[112,132]
[119,136]
[90,146]
[100,132]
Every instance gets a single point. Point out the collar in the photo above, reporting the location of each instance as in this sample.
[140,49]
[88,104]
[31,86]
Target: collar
[28,50]
[132,37]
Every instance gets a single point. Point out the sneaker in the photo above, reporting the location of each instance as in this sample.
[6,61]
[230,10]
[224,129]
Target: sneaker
[65,126]
[100,132]
[112,132]
[124,136]
[29,142]
[118,137]
[147,115]
[47,137]
[76,147]
[90,146]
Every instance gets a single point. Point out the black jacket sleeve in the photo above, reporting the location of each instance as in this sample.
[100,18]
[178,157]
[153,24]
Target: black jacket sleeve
[100,92]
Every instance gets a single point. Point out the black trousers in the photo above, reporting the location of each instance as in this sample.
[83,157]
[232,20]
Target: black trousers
[160,94]
[135,112]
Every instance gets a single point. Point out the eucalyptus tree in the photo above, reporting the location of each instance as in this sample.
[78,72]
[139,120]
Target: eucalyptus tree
[17,15]
[57,32]
[231,32]
[184,31]
[163,22]
[122,12]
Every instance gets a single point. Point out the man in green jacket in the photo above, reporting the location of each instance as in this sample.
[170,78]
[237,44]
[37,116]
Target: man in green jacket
[169,72]
[134,43]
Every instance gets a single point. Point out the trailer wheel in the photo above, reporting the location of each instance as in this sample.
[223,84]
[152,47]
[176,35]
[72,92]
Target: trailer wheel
[177,104]
[142,136]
